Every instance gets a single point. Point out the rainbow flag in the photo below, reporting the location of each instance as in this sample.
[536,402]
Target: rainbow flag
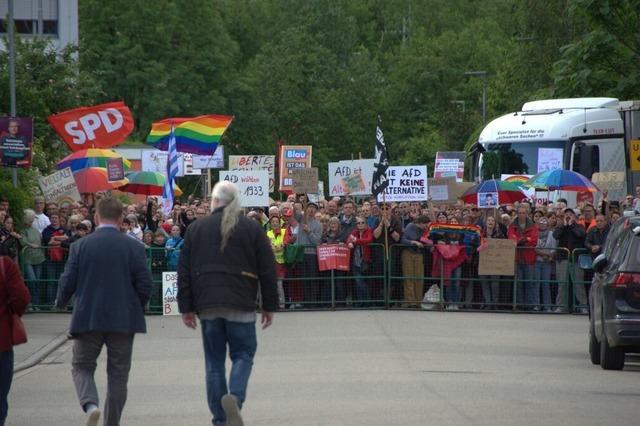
[197,135]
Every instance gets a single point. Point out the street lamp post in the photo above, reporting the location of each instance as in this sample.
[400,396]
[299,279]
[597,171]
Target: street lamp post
[483,75]
[12,78]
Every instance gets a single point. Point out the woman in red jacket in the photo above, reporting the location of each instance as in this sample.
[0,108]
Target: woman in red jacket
[524,232]
[14,298]
[358,242]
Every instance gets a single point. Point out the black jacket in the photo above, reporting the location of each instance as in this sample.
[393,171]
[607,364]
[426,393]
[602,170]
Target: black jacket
[595,237]
[570,237]
[208,278]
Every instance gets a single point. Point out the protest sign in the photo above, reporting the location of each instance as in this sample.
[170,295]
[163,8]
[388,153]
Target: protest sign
[293,157]
[255,162]
[170,293]
[115,169]
[461,188]
[442,190]
[314,198]
[406,183]
[16,141]
[189,170]
[549,159]
[305,181]
[449,164]
[60,187]
[488,200]
[154,160]
[613,182]
[351,177]
[333,256]
[253,186]
[498,257]
[215,161]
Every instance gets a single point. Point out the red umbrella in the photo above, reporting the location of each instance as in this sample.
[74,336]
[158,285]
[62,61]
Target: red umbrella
[94,179]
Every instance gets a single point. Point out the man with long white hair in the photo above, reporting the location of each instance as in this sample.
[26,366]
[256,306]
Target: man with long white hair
[226,258]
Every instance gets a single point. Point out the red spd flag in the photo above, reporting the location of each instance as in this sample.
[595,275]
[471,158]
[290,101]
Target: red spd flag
[333,256]
[100,126]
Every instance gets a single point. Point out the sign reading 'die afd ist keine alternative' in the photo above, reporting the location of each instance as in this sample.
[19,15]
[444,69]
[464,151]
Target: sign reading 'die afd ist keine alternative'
[293,157]
[253,186]
[406,183]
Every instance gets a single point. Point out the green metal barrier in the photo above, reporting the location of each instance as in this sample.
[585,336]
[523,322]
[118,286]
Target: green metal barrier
[581,274]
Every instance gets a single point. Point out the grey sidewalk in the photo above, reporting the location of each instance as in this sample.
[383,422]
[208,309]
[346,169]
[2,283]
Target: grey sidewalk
[44,333]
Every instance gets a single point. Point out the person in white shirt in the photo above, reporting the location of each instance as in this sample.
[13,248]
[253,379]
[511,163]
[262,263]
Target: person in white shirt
[41,220]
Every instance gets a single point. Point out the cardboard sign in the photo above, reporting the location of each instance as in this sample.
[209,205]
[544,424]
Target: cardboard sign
[115,169]
[498,258]
[60,187]
[253,186]
[461,188]
[215,161]
[154,160]
[351,177]
[293,157]
[449,164]
[170,293]
[305,181]
[406,183]
[16,142]
[614,182]
[319,196]
[334,256]
[256,162]
[442,190]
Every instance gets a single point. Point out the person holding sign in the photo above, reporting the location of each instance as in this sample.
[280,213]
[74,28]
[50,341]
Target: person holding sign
[225,259]
[413,262]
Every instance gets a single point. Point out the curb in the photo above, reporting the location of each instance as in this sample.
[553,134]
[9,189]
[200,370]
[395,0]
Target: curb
[43,352]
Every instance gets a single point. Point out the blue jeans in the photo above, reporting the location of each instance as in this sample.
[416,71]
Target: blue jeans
[525,282]
[543,279]
[362,288]
[241,339]
[6,375]
[452,291]
[32,275]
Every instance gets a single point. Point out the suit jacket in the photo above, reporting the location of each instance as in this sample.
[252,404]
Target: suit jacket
[108,276]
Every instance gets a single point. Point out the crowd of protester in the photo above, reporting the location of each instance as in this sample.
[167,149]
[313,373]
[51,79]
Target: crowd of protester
[546,236]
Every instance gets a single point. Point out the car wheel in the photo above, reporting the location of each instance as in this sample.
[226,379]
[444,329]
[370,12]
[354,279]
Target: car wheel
[610,358]
[594,346]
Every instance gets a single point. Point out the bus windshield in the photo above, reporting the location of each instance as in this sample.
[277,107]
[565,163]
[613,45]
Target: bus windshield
[520,158]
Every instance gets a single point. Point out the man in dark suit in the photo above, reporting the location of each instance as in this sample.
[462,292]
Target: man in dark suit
[108,275]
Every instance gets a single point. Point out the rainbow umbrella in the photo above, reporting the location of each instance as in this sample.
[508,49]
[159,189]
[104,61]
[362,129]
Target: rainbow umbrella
[94,179]
[92,157]
[508,192]
[147,183]
[561,180]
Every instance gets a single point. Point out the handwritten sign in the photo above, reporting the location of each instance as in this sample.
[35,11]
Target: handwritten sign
[253,186]
[256,162]
[293,157]
[305,181]
[550,159]
[60,187]
[333,256]
[351,177]
[498,258]
[406,183]
[442,190]
[170,293]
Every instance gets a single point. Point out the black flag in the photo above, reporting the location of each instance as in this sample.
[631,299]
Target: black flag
[380,163]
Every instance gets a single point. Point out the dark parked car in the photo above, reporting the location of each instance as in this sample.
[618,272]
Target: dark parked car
[614,298]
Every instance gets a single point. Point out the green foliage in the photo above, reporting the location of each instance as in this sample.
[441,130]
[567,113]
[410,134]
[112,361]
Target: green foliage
[20,198]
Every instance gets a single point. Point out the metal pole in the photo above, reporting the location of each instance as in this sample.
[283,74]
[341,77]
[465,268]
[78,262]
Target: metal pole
[484,99]
[12,78]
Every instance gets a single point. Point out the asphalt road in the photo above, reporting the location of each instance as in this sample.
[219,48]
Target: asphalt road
[364,368]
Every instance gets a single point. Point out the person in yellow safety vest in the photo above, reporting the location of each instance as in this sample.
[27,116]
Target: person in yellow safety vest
[276,236]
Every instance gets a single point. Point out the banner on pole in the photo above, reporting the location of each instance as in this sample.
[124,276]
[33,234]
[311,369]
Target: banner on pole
[16,141]
[406,183]
[60,187]
[253,186]
[115,169]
